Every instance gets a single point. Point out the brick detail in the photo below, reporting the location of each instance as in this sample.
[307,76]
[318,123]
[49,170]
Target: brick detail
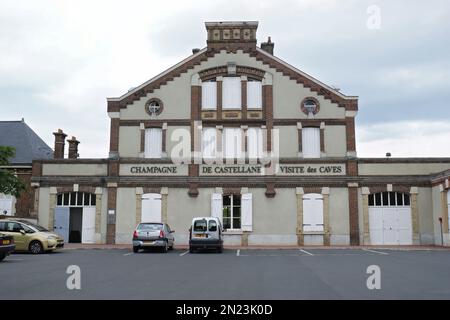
[36,170]
[219,99]
[350,134]
[353,215]
[111,225]
[114,135]
[113,168]
[270,190]
[322,140]
[244,99]
[268,107]
[352,168]
[300,140]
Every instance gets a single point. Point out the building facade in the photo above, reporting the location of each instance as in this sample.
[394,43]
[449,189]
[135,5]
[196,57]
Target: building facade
[234,132]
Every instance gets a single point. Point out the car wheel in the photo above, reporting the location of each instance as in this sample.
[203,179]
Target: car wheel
[36,247]
[166,247]
[2,256]
[219,250]
[135,249]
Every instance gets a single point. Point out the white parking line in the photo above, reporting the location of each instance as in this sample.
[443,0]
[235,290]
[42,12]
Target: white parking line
[308,253]
[128,254]
[184,253]
[238,253]
[13,259]
[374,251]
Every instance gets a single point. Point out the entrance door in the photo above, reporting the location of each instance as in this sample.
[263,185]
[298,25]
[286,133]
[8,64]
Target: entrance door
[62,219]
[151,207]
[88,230]
[390,221]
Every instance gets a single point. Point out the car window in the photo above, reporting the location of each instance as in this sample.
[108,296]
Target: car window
[212,225]
[27,229]
[13,227]
[150,227]
[3,226]
[200,225]
[37,227]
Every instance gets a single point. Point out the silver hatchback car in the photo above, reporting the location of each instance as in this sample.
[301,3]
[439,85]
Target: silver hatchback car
[153,235]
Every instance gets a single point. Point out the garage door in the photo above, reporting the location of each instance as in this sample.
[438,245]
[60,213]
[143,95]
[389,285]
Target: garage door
[390,219]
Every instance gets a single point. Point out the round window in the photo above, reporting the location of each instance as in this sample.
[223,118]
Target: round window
[310,106]
[154,107]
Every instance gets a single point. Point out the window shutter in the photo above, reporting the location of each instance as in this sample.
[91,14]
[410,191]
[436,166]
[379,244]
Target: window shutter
[254,143]
[209,143]
[312,212]
[216,206]
[153,143]
[209,95]
[231,98]
[151,207]
[311,142]
[254,94]
[247,212]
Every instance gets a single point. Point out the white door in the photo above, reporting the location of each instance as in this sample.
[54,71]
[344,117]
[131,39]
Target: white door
[390,228]
[376,225]
[390,225]
[312,212]
[6,204]
[151,207]
[88,230]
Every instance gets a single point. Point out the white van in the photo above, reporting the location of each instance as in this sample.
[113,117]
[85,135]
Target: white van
[205,233]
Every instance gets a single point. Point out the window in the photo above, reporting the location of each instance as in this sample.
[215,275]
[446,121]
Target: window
[389,199]
[232,212]
[254,94]
[311,142]
[209,95]
[75,199]
[231,93]
[232,143]
[200,225]
[212,226]
[153,143]
[209,143]
[154,107]
[255,143]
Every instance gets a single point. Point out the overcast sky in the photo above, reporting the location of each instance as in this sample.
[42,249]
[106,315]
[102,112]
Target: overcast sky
[60,60]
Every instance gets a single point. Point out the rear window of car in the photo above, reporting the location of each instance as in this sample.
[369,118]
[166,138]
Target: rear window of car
[150,226]
[200,225]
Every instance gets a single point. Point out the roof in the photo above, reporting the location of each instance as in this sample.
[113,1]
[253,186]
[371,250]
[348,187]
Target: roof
[29,146]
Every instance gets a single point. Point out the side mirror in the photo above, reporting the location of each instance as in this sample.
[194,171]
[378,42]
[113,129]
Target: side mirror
[172,231]
[22,232]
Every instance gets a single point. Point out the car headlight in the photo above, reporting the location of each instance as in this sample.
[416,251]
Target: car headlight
[51,238]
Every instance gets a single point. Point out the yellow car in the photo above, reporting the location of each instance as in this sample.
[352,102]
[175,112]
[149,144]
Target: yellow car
[31,237]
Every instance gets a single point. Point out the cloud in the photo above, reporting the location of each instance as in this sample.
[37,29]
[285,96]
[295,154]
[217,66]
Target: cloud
[404,139]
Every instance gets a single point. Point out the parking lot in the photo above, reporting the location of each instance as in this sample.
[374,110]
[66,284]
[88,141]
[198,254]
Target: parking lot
[297,273]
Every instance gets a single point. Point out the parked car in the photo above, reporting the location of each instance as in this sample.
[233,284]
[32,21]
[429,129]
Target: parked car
[206,233]
[153,235]
[6,245]
[31,237]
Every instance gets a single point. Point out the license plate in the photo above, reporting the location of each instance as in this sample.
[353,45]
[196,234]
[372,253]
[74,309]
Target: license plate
[6,241]
[200,235]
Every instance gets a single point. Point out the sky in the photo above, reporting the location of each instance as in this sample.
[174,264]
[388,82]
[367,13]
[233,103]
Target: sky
[61,59]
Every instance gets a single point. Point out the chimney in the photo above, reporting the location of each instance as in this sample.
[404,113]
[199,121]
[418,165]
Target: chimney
[195,50]
[268,46]
[73,148]
[60,136]
[231,35]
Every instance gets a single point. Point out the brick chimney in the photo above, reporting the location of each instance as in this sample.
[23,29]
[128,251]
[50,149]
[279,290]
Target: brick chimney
[60,137]
[231,35]
[73,148]
[268,46]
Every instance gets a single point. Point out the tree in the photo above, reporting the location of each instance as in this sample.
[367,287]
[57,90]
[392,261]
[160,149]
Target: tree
[9,182]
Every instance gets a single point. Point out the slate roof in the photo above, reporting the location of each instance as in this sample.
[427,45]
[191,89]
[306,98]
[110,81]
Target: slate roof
[29,146]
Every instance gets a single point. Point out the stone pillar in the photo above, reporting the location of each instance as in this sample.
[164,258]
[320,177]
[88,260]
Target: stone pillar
[98,214]
[139,193]
[60,138]
[444,215]
[111,215]
[299,194]
[52,206]
[326,216]
[366,236]
[415,215]
[164,195]
[353,213]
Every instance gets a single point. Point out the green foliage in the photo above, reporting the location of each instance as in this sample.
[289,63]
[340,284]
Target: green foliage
[9,182]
